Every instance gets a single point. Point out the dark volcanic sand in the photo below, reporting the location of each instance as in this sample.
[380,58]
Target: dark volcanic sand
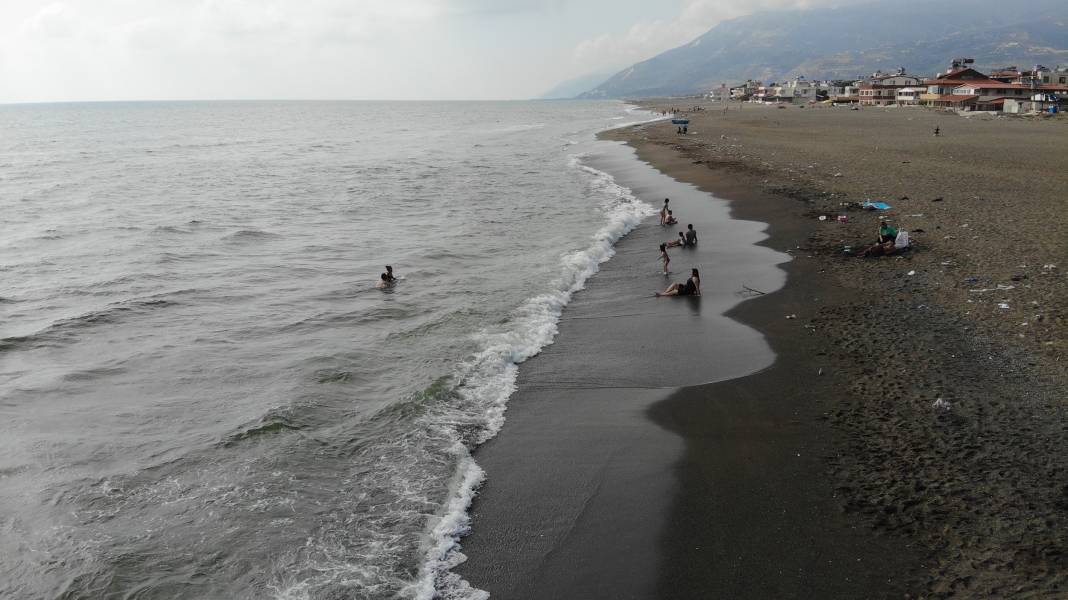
[976,488]
[592,493]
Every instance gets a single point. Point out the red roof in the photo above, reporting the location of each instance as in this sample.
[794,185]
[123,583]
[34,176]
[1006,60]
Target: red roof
[962,71]
[949,82]
[1011,86]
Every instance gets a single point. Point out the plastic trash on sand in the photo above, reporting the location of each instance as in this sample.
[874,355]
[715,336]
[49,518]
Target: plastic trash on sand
[941,404]
[869,205]
[902,240]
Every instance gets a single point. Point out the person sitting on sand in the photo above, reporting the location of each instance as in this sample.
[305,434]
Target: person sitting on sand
[692,287]
[880,249]
[670,219]
[886,232]
[677,243]
[664,257]
[664,211]
[691,235]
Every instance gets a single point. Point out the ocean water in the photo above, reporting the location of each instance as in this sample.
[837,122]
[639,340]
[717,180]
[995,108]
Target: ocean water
[203,394]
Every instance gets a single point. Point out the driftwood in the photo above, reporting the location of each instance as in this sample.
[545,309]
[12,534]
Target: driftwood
[749,289]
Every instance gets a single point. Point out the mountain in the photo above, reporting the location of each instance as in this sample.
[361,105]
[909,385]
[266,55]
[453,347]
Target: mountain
[574,87]
[851,41]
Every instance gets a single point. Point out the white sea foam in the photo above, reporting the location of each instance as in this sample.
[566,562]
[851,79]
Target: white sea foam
[489,378]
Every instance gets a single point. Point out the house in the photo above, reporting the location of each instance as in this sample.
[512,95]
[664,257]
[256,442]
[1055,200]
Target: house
[909,96]
[1005,75]
[719,94]
[745,91]
[1040,102]
[881,88]
[959,102]
[1044,75]
[944,83]
[798,91]
[991,95]
[843,92]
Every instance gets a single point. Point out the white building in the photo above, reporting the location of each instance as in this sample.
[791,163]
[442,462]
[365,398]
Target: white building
[908,96]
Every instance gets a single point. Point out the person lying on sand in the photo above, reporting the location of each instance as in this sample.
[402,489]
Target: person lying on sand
[677,243]
[670,220]
[692,287]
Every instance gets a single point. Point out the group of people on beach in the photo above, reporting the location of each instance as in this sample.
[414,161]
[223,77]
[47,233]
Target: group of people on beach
[686,239]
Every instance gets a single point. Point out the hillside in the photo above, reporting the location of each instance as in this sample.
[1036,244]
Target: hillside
[848,42]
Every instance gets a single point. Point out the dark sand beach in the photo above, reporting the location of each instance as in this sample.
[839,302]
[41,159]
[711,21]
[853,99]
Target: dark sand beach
[910,438]
[975,485]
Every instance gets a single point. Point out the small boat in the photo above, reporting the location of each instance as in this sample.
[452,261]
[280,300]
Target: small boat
[680,121]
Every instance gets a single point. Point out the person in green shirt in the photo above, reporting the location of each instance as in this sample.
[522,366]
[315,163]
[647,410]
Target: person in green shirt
[886,232]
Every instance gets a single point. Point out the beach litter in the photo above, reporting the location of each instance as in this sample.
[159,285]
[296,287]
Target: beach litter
[911,273]
[869,205]
[941,404]
[1003,305]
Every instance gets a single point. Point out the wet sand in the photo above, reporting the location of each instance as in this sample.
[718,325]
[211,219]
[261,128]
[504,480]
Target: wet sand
[930,386]
[607,483]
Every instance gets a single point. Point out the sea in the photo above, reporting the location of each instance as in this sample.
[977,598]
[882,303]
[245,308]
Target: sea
[203,391]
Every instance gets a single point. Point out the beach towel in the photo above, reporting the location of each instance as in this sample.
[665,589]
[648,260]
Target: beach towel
[869,205]
[902,240]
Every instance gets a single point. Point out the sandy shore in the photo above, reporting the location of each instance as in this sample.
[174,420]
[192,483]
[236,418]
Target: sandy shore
[930,384]
[609,480]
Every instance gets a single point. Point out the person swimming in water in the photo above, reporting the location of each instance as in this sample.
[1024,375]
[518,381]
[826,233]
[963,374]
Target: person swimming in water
[387,279]
[692,287]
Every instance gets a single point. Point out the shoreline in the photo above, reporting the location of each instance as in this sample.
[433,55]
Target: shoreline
[580,481]
[753,516]
[970,490]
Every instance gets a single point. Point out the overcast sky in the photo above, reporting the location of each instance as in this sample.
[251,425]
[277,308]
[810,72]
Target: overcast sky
[333,49]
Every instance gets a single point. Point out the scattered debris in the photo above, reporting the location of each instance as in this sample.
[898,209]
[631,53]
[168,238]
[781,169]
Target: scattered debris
[941,404]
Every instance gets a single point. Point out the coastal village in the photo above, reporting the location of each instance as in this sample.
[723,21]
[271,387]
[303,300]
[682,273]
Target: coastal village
[1008,90]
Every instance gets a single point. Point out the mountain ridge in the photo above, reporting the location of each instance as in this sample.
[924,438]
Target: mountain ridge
[848,42]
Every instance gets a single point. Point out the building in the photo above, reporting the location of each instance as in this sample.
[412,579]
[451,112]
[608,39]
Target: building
[840,92]
[745,91]
[798,91]
[1037,103]
[1045,75]
[719,94]
[909,96]
[881,88]
[991,95]
[944,84]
